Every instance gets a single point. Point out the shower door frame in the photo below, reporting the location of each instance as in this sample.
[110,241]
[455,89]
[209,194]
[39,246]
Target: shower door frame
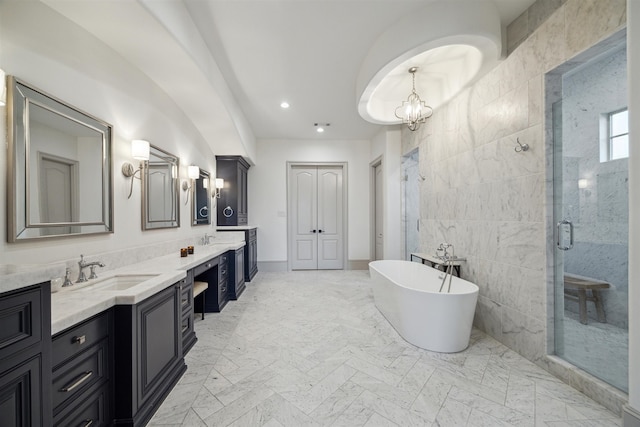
[552,94]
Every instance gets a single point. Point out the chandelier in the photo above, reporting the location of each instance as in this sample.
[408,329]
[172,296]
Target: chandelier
[413,111]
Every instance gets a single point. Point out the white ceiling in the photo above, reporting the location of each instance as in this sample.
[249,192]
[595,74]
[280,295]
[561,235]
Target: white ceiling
[230,63]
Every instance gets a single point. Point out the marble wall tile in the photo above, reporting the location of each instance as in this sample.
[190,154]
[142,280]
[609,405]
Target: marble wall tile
[488,318]
[494,204]
[535,100]
[590,21]
[517,31]
[504,116]
[523,333]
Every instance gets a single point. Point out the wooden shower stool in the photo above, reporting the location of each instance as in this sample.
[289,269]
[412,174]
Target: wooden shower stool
[576,287]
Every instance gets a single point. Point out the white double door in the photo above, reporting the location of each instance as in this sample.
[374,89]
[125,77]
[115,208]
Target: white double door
[316,217]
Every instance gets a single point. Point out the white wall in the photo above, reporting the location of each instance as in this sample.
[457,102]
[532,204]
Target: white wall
[388,146]
[633,64]
[268,191]
[51,53]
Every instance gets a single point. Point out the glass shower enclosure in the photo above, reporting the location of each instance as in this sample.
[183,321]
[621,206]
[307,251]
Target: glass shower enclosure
[590,188]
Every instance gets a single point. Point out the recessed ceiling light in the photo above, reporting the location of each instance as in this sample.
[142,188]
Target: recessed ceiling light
[284,104]
[320,126]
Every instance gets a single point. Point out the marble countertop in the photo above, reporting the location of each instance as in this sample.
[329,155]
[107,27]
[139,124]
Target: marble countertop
[76,303]
[235,227]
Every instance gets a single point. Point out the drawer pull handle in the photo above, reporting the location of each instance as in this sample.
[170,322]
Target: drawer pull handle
[87,423]
[79,340]
[79,380]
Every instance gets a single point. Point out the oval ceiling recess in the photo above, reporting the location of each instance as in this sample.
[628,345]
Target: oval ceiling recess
[453,44]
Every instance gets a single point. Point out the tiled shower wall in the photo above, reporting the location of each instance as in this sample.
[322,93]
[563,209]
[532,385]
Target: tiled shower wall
[488,200]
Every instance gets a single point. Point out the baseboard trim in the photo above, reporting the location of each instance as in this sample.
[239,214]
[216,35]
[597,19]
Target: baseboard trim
[358,264]
[273,266]
[281,266]
[630,417]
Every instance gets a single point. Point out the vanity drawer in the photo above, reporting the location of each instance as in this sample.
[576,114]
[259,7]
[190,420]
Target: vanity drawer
[223,268]
[77,376]
[186,298]
[205,266]
[20,323]
[222,292]
[94,412]
[187,324]
[78,338]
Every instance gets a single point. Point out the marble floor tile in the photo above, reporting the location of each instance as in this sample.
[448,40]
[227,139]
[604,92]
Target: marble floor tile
[311,349]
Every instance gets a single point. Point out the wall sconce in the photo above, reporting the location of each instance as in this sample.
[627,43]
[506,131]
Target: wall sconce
[583,183]
[219,187]
[193,173]
[139,151]
[3,88]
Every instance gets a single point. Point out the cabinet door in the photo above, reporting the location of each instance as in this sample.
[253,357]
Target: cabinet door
[253,258]
[19,395]
[159,339]
[239,267]
[242,195]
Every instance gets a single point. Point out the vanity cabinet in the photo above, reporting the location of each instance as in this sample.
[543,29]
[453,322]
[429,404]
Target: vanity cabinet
[216,273]
[236,276]
[148,360]
[83,373]
[186,304]
[250,251]
[232,204]
[25,357]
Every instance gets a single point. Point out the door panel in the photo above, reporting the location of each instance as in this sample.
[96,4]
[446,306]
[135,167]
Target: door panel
[316,208]
[330,218]
[304,216]
[378,213]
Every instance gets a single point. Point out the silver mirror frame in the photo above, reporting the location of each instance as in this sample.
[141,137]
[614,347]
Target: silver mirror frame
[20,96]
[173,221]
[198,209]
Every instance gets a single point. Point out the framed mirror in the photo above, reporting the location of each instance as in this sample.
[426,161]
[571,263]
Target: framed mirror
[160,197]
[59,167]
[201,201]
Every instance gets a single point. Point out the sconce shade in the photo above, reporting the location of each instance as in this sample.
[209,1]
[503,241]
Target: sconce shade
[140,149]
[193,172]
[219,183]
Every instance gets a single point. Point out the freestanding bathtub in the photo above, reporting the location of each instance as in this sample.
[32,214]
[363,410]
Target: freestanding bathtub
[406,293]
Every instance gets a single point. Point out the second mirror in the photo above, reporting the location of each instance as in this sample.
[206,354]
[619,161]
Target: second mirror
[201,201]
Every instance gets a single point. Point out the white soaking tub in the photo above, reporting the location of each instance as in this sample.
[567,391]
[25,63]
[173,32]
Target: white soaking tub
[406,293]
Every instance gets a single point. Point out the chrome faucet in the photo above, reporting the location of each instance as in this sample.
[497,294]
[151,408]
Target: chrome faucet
[83,265]
[444,249]
[206,239]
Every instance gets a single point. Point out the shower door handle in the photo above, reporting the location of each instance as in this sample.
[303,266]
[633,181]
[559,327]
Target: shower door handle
[560,227]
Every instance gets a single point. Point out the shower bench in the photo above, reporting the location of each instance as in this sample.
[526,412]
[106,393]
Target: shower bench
[576,287]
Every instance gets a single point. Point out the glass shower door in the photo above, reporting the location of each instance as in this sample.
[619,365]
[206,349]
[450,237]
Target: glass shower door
[591,220]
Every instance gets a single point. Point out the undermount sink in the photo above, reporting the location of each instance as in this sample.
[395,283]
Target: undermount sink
[119,282]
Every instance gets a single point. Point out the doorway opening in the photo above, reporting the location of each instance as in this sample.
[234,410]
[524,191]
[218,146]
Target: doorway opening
[410,204]
[317,205]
